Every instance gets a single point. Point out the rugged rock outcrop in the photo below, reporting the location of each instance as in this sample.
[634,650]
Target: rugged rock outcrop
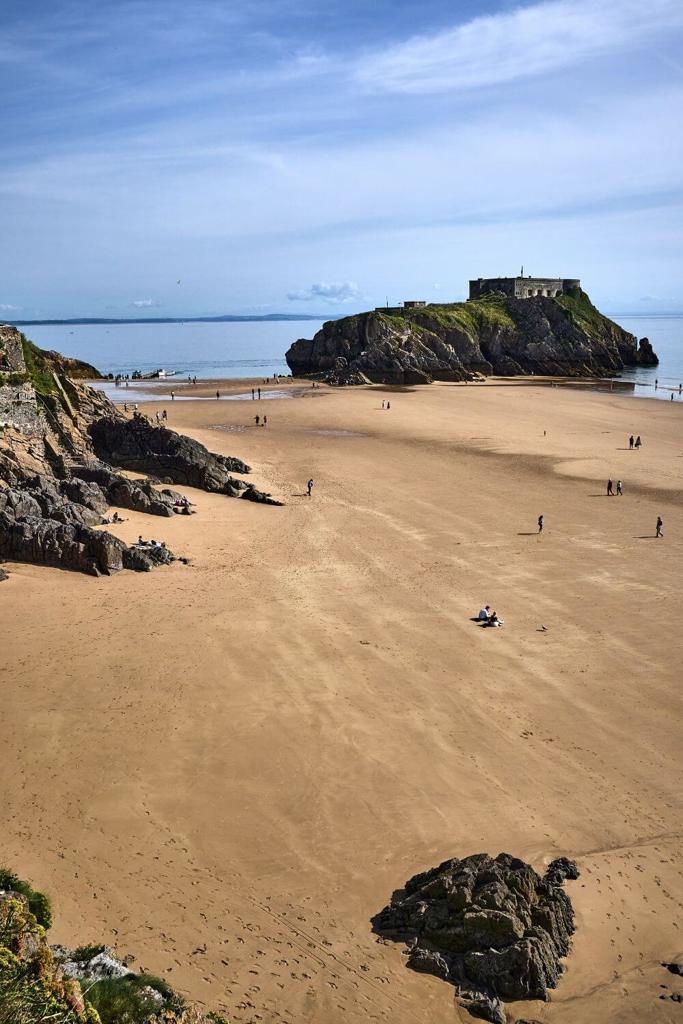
[561,336]
[137,444]
[646,354]
[492,927]
[57,436]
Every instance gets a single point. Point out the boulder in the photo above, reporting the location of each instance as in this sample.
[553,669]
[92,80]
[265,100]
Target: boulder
[491,926]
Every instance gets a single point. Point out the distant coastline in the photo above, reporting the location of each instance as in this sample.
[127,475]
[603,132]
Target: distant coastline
[227,319]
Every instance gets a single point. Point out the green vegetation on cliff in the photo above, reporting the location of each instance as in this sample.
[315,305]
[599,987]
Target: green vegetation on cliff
[471,317]
[35,990]
[582,312]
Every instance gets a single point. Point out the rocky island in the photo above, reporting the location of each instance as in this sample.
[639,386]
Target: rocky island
[59,442]
[559,334]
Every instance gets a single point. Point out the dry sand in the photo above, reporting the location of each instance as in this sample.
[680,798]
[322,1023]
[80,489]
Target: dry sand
[226,768]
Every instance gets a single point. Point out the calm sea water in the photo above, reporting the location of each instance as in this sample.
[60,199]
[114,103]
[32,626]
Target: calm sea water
[207,351]
[257,349]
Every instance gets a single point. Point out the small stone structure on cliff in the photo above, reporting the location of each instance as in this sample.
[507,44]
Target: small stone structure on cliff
[523,287]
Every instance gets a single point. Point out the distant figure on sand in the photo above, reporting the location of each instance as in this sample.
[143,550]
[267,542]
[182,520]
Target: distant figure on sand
[630,441]
[173,396]
[265,421]
[256,420]
[540,524]
[609,487]
[164,415]
[253,395]
[638,441]
[619,488]
[660,524]
[382,403]
[309,485]
[218,395]
[484,613]
[259,393]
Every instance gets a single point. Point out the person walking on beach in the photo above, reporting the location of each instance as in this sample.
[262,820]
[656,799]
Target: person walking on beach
[630,441]
[609,488]
[540,524]
[388,405]
[382,403]
[253,395]
[259,394]
[218,395]
[164,415]
[265,421]
[660,524]
[173,396]
[620,492]
[638,441]
[309,485]
[257,420]
[125,406]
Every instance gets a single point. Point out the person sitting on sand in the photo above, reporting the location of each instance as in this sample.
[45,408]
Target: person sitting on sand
[484,613]
[493,620]
[141,542]
[638,441]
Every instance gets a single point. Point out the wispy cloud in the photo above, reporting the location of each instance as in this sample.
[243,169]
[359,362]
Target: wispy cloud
[528,41]
[7,307]
[145,303]
[335,292]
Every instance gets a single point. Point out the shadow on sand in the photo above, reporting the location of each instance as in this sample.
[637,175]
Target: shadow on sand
[533,533]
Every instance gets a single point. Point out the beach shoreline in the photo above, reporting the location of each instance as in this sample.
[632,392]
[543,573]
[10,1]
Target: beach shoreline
[226,768]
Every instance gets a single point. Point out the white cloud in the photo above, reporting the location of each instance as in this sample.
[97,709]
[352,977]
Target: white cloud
[336,291]
[528,41]
[145,303]
[6,307]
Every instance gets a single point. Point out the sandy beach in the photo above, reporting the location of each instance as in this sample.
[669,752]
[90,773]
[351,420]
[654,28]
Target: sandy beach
[226,768]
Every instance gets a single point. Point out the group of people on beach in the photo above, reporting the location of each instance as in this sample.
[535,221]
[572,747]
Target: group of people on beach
[634,443]
[258,422]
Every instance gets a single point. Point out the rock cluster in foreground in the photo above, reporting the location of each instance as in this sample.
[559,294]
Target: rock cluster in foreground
[562,336]
[492,927]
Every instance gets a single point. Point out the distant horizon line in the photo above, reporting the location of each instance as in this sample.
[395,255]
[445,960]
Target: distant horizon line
[85,321]
[223,318]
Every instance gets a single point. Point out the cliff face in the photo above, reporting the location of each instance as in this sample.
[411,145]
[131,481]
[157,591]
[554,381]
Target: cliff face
[59,441]
[563,336]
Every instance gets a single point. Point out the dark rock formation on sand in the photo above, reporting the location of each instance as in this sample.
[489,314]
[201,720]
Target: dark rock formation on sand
[56,488]
[561,336]
[492,927]
[138,445]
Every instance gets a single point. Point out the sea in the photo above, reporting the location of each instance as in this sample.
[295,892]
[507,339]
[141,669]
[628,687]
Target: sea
[211,351]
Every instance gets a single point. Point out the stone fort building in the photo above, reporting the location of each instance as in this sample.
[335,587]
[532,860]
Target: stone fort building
[522,287]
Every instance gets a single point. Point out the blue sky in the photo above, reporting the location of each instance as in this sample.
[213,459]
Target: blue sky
[206,157]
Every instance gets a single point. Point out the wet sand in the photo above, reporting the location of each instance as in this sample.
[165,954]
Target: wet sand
[226,768]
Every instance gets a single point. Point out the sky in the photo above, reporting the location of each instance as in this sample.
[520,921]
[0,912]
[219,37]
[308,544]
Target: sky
[207,157]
